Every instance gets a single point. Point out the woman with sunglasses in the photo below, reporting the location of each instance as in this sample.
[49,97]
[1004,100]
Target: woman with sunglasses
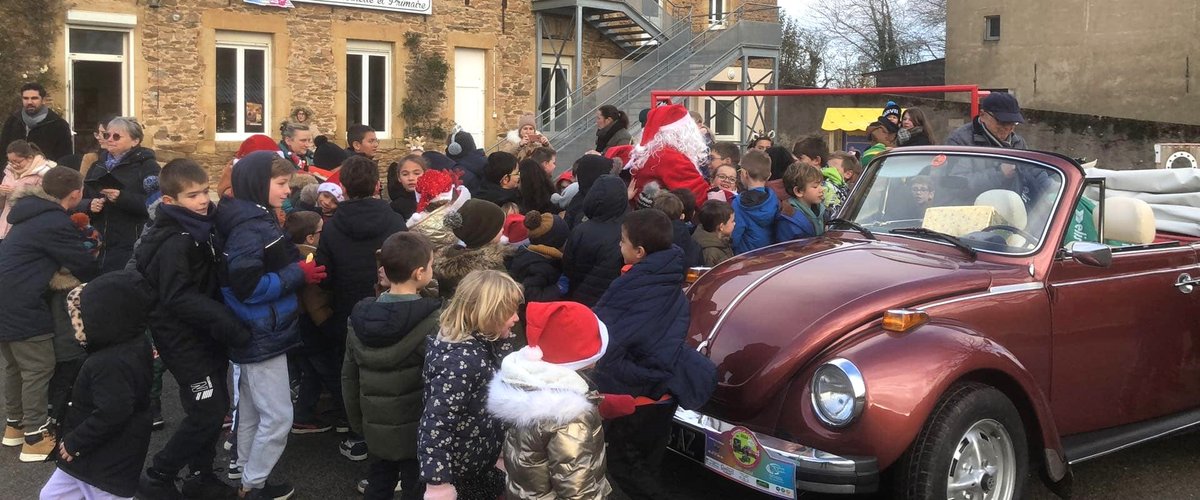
[115,192]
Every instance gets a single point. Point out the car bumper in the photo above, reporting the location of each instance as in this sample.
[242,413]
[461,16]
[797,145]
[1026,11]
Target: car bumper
[815,470]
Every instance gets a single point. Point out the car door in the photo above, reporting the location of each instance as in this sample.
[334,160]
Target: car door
[1126,338]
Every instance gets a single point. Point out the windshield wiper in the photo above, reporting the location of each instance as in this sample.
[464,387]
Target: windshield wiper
[852,225]
[921,231]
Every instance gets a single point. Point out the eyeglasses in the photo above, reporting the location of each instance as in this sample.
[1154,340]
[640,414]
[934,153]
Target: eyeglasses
[921,189]
[111,135]
[728,178]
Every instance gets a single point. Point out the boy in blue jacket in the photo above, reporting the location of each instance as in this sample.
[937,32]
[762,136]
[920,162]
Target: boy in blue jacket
[806,195]
[754,208]
[260,276]
[647,317]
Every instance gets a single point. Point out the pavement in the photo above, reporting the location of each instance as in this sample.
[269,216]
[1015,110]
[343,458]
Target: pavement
[1164,469]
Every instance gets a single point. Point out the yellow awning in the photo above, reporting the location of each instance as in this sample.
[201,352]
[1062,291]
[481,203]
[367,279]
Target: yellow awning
[849,119]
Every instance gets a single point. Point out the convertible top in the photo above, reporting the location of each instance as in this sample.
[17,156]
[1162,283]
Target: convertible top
[1173,194]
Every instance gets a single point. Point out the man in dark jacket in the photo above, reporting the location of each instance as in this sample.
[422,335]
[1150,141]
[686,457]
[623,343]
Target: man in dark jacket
[38,124]
[192,330]
[107,430]
[347,250]
[592,257]
[115,192]
[42,240]
[647,317]
[995,127]
[460,147]
[500,180]
[259,280]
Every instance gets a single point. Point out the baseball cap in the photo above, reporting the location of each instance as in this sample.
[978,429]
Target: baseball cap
[1003,106]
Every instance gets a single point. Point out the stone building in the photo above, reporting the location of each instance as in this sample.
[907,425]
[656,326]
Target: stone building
[202,75]
[1133,60]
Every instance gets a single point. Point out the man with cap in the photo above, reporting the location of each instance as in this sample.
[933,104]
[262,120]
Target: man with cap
[995,126]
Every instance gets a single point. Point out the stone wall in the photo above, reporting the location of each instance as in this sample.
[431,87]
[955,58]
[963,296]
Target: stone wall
[1116,143]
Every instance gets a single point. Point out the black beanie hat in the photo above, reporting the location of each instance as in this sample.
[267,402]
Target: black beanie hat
[328,155]
[476,223]
[887,124]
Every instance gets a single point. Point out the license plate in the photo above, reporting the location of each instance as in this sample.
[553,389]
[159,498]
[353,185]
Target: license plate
[687,442]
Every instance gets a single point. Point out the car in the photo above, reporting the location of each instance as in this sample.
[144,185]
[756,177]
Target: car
[947,344]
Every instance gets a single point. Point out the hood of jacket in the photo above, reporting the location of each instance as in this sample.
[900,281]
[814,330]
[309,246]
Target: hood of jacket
[832,175]
[31,202]
[709,240]
[528,391]
[607,200]
[364,219]
[113,308]
[39,170]
[757,203]
[457,261]
[251,177]
[381,322]
[664,268]
[232,212]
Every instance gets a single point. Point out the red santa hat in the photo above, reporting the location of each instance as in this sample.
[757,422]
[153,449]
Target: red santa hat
[435,185]
[621,152]
[566,334]
[664,117]
[514,232]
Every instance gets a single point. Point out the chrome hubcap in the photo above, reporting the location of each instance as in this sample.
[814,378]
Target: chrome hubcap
[984,464]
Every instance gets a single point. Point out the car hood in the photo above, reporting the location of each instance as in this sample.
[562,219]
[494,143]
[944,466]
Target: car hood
[764,315]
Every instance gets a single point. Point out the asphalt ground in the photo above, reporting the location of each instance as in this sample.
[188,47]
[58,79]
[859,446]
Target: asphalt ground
[1165,469]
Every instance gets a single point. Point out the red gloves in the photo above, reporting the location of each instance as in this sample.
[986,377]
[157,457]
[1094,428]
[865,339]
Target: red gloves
[313,273]
[616,406]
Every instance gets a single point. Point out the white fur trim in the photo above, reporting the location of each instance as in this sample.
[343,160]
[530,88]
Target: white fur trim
[683,136]
[528,391]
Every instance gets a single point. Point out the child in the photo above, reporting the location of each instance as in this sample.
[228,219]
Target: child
[478,225]
[316,306]
[647,317]
[840,175]
[106,433]
[329,195]
[347,249]
[538,266]
[554,447]
[688,216]
[260,276]
[42,240]
[459,442]
[756,206]
[402,184]
[547,158]
[438,192]
[68,354]
[592,257]
[923,194]
[724,184]
[806,189]
[669,204]
[25,168]
[713,234]
[192,329]
[500,179]
[385,352]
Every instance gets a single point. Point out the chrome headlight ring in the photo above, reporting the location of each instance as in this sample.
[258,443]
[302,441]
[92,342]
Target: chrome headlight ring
[839,392]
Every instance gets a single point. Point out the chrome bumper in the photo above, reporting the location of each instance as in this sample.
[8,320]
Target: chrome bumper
[816,470]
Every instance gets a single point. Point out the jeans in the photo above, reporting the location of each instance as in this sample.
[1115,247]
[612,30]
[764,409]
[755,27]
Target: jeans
[28,367]
[264,418]
[205,400]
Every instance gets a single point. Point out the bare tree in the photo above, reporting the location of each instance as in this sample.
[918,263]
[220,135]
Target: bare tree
[885,34]
[802,55]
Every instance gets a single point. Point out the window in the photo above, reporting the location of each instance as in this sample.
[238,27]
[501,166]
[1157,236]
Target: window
[98,70]
[556,89]
[368,85]
[243,73]
[716,13]
[721,113]
[991,28]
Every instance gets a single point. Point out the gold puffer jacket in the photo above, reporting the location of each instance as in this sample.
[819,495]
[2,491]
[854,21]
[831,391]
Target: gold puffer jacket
[554,448]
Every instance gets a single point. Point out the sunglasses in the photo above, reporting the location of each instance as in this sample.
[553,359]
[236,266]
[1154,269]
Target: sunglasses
[111,135]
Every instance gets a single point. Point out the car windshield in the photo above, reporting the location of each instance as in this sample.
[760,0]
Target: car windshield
[991,204]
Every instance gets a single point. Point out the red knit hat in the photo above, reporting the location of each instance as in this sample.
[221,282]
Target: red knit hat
[660,117]
[256,142]
[514,229]
[567,334]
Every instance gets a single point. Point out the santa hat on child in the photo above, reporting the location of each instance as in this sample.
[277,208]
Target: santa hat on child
[436,185]
[567,334]
[514,233]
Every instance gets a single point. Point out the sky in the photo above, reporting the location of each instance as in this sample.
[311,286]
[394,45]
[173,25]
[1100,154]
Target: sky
[796,8]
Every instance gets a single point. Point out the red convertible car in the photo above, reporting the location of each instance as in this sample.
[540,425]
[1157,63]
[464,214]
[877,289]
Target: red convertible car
[974,315]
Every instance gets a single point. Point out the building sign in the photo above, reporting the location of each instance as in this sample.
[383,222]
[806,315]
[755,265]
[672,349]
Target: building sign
[410,6]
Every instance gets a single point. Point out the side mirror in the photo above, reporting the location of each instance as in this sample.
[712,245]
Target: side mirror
[1090,254]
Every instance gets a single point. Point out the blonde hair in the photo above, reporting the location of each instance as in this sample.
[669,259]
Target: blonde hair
[483,303]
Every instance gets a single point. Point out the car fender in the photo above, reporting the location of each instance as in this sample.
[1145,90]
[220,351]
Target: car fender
[899,401]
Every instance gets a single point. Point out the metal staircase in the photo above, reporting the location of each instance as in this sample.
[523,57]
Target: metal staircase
[628,23]
[680,59]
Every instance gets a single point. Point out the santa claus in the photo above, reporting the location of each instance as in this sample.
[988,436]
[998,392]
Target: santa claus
[670,153]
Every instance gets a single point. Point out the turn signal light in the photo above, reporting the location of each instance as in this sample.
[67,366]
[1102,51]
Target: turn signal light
[903,320]
[694,273]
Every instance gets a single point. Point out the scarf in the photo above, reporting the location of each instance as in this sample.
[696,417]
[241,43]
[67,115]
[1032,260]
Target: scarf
[196,225]
[111,161]
[34,119]
[604,135]
[297,160]
[904,135]
[991,138]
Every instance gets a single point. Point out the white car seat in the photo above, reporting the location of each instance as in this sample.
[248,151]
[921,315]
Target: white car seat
[1127,220]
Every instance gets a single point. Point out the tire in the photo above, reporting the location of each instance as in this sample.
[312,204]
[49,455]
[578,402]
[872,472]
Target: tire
[978,430]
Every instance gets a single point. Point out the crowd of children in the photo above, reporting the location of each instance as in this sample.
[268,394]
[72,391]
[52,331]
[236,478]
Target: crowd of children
[482,328]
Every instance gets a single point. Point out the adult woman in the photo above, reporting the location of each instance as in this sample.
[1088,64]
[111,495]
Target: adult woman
[915,129]
[523,140]
[536,188]
[402,179]
[114,193]
[25,168]
[612,127]
[304,114]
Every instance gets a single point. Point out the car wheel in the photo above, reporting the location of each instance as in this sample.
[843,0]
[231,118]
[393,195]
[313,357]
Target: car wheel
[972,448]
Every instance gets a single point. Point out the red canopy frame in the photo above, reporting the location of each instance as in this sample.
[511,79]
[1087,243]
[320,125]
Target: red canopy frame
[659,97]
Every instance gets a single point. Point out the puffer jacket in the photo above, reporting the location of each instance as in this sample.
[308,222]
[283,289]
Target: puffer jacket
[120,222]
[554,447]
[592,258]
[455,263]
[381,375]
[754,210]
[347,250]
[537,268]
[457,436]
[30,178]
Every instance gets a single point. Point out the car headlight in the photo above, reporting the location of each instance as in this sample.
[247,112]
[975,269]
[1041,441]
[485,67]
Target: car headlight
[838,392]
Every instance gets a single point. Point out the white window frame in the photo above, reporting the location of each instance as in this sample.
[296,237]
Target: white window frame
[987,28]
[565,63]
[716,14]
[99,21]
[242,41]
[374,49]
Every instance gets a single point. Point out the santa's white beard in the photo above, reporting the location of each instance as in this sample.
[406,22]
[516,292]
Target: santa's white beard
[685,139]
